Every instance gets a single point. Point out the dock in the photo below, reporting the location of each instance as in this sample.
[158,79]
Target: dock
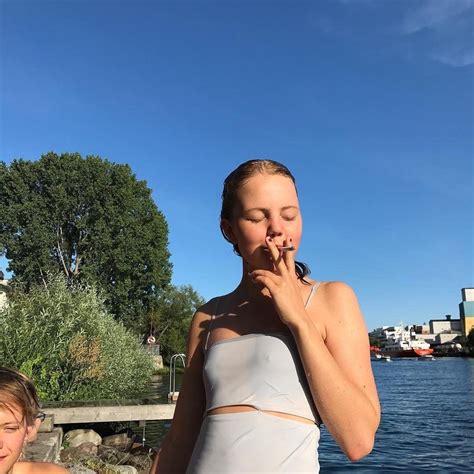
[46,447]
[109,413]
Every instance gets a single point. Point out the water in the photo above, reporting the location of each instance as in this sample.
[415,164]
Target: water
[427,420]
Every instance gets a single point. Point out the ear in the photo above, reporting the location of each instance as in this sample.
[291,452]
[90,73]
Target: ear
[227,230]
[32,431]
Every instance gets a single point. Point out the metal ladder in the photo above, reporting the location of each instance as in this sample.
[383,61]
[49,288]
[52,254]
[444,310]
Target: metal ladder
[173,394]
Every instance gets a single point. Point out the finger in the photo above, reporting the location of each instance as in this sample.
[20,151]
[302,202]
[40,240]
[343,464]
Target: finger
[289,255]
[276,255]
[266,278]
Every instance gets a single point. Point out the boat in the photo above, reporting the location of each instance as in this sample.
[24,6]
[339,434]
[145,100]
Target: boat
[401,342]
[382,357]
[427,357]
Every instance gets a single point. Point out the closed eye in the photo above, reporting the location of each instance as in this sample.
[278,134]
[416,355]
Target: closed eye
[11,429]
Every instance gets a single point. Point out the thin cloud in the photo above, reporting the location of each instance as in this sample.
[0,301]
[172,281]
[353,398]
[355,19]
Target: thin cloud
[433,13]
[448,25]
[441,30]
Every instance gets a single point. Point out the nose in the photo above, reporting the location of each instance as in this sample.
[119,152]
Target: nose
[275,228]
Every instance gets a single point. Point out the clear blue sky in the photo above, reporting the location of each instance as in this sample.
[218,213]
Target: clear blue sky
[369,103]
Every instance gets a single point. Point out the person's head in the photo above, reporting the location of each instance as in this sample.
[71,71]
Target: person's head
[19,410]
[260,199]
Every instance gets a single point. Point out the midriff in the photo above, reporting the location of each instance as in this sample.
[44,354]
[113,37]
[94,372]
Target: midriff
[242,408]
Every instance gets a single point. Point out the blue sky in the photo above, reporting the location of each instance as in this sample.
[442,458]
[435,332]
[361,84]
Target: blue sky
[369,103]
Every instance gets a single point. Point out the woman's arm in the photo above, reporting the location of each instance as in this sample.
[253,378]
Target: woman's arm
[178,445]
[338,370]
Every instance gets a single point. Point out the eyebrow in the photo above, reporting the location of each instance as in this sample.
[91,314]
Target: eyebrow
[16,423]
[263,209]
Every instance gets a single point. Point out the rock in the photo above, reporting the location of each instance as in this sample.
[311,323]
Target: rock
[119,441]
[77,437]
[47,425]
[141,462]
[112,455]
[79,453]
[77,469]
[125,469]
[46,447]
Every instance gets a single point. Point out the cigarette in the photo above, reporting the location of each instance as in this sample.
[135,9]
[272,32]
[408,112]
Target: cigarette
[286,248]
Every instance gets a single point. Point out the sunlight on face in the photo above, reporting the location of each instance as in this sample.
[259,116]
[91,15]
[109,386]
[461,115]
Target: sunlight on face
[267,206]
[12,437]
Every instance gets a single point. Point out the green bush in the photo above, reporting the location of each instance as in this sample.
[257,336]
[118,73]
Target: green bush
[63,338]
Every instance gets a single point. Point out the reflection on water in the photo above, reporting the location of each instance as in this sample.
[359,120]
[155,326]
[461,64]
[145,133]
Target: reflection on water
[427,419]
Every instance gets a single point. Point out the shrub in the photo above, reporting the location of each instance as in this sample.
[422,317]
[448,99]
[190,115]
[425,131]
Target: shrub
[63,338]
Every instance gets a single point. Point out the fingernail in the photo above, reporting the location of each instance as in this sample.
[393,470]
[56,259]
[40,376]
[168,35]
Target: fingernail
[269,238]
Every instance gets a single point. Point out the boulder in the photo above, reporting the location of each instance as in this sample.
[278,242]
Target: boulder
[141,462]
[112,455]
[78,469]
[125,469]
[47,425]
[75,438]
[78,453]
[119,441]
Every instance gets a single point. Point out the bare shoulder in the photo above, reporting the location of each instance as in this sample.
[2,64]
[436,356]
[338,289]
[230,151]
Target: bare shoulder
[38,468]
[336,307]
[204,314]
[199,327]
[340,300]
[335,290]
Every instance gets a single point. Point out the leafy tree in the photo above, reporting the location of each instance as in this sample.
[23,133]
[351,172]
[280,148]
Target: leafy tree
[374,341]
[470,341]
[90,219]
[171,316]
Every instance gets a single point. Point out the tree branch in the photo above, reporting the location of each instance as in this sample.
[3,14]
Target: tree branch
[66,271]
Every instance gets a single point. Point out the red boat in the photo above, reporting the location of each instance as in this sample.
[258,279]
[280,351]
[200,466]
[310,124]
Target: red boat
[404,343]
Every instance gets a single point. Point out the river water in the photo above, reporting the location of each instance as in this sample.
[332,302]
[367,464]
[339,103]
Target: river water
[427,420]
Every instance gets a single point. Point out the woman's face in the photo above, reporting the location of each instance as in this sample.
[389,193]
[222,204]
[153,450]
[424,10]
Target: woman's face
[13,436]
[267,205]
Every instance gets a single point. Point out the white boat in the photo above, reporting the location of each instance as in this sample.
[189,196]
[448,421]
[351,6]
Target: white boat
[426,357]
[400,342]
[383,357]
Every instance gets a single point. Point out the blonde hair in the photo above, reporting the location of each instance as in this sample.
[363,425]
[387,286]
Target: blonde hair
[237,179]
[18,392]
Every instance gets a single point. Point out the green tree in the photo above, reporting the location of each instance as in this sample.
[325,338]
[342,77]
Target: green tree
[90,219]
[470,341]
[374,341]
[62,336]
[171,316]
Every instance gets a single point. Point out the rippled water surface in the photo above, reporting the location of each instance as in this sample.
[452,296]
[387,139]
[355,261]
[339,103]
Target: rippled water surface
[427,420]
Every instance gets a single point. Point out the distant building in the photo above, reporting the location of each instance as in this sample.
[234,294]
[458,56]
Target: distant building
[438,326]
[422,329]
[466,310]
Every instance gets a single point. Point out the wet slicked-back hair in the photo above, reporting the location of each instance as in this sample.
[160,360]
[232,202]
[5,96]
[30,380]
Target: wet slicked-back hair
[237,179]
[18,392]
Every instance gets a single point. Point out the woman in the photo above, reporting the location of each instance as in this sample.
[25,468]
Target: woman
[19,422]
[270,361]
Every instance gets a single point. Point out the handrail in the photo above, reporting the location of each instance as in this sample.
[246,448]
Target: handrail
[174,359]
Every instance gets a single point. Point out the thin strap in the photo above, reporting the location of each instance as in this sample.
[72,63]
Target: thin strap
[210,323]
[312,292]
